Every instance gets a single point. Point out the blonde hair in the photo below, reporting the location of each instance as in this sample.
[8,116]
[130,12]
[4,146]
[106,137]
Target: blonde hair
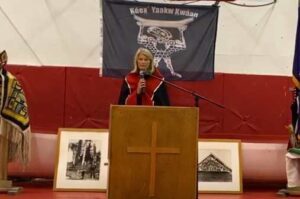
[146,53]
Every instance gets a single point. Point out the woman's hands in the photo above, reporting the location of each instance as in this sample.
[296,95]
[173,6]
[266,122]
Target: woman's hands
[141,86]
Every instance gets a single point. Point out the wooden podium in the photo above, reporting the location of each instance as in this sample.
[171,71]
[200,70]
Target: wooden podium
[153,152]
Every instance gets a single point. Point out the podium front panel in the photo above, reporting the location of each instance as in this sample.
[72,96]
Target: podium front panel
[153,152]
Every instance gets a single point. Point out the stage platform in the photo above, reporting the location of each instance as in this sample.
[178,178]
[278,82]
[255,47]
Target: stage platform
[43,189]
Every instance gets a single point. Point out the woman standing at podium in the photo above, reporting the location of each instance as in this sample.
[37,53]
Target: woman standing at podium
[144,84]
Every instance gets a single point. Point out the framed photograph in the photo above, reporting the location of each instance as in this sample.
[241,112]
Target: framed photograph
[82,163]
[219,166]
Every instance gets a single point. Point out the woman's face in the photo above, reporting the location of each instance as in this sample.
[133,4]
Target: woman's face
[143,62]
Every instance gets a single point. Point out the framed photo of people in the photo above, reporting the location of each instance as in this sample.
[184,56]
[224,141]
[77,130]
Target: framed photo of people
[219,166]
[82,163]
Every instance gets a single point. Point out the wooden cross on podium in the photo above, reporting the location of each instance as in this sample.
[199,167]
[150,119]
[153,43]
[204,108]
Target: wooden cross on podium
[153,150]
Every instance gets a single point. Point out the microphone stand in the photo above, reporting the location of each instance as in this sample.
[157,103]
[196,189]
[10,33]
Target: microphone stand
[195,95]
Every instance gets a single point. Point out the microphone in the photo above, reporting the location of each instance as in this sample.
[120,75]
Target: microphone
[142,76]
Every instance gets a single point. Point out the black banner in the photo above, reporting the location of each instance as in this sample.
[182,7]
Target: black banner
[181,37]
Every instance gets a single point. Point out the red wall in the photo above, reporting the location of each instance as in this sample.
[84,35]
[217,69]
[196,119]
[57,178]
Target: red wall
[256,107]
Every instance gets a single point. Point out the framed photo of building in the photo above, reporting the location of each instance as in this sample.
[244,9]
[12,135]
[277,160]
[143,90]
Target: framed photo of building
[219,166]
[82,163]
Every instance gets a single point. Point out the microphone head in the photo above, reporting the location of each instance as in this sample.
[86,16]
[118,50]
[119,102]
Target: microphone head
[142,73]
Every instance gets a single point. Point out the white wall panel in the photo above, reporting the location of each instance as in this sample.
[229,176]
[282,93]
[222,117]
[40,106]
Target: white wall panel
[67,33]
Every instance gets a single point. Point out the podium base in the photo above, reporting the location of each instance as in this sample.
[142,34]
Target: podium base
[6,186]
